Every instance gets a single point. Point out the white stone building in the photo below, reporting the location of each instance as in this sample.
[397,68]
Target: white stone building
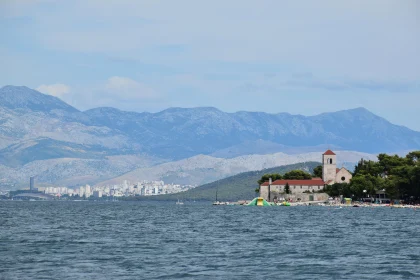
[271,190]
[330,175]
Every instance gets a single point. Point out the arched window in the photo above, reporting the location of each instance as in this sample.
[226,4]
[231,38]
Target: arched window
[330,160]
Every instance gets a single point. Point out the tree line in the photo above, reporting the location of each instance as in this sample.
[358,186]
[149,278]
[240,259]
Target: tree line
[398,177]
[291,175]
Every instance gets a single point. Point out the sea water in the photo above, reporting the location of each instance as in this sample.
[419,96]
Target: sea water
[140,240]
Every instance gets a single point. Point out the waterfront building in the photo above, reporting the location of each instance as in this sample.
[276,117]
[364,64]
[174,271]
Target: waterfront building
[330,175]
[81,191]
[88,192]
[97,194]
[272,190]
[32,184]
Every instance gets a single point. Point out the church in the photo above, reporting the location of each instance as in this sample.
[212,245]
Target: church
[330,175]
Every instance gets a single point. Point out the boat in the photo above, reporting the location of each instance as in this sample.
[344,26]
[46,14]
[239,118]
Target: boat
[179,202]
[217,202]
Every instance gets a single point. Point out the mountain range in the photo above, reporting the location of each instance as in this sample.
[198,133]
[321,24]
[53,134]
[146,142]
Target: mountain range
[42,135]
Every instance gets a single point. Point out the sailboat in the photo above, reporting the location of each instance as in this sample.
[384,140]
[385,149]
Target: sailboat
[216,202]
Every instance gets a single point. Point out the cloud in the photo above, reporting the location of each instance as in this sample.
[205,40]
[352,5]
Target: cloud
[353,37]
[235,55]
[119,92]
[58,90]
[130,89]
[308,81]
[339,84]
[19,8]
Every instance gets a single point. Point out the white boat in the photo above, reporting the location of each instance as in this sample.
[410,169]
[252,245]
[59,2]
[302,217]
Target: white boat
[179,202]
[217,202]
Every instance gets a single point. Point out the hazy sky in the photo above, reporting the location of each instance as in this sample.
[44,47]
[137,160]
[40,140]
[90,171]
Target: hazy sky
[301,57]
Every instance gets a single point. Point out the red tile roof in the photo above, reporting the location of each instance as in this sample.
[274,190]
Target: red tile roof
[329,152]
[313,182]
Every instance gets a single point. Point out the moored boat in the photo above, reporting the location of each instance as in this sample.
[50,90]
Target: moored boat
[179,202]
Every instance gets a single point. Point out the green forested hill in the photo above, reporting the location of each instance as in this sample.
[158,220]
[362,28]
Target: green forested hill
[234,188]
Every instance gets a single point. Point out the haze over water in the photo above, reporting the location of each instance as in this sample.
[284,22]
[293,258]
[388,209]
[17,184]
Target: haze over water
[137,240]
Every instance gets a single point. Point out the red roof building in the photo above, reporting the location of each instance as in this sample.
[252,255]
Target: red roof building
[312,182]
[278,187]
[329,152]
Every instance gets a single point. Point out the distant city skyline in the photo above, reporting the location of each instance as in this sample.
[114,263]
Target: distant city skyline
[273,56]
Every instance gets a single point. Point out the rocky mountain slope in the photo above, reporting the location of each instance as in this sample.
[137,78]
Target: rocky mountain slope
[26,115]
[24,98]
[43,136]
[42,130]
[180,133]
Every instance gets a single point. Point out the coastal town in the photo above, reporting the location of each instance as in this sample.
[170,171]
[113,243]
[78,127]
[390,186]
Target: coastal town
[125,189]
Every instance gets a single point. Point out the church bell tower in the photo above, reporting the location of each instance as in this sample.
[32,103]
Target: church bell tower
[329,166]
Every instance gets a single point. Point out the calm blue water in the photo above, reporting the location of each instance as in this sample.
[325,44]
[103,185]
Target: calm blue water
[135,240]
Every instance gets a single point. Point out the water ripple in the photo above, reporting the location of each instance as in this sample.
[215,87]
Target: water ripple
[78,240]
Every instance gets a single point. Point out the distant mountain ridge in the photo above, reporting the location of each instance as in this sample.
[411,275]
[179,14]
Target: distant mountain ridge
[21,97]
[41,128]
[178,133]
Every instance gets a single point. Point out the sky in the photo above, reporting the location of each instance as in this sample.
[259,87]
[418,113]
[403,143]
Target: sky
[300,57]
